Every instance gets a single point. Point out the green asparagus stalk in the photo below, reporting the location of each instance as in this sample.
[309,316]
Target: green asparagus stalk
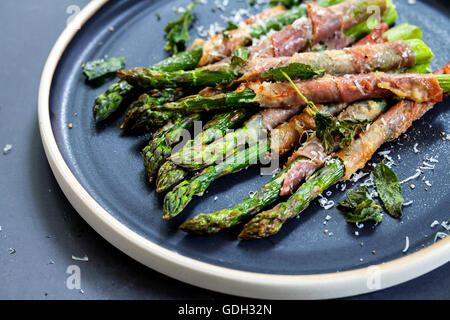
[270,222]
[280,21]
[358,31]
[223,73]
[209,223]
[419,68]
[108,102]
[403,31]
[170,174]
[201,77]
[160,147]
[137,112]
[195,158]
[222,101]
[444,82]
[176,200]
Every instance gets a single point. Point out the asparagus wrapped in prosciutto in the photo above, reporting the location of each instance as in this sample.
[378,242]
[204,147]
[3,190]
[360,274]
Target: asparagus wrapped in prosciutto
[387,127]
[349,88]
[401,32]
[269,193]
[217,73]
[256,127]
[326,89]
[281,141]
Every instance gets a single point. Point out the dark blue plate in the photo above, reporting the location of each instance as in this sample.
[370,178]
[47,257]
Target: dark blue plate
[109,166]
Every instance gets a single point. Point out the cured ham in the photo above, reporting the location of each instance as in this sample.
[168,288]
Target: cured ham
[348,88]
[356,59]
[323,23]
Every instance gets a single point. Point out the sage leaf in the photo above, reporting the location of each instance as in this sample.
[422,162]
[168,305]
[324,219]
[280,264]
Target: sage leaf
[389,189]
[294,71]
[359,206]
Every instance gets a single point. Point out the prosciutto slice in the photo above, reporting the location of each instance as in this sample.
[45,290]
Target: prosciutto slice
[313,151]
[217,47]
[356,59]
[387,127]
[323,23]
[376,36]
[348,88]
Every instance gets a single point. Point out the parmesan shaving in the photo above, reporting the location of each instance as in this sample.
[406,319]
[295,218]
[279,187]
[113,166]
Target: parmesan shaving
[406,244]
[408,203]
[417,174]
[85,258]
[356,176]
[325,203]
[446,225]
[440,235]
[426,164]
[434,224]
[7,149]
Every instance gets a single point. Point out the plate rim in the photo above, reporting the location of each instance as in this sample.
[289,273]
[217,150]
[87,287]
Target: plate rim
[201,274]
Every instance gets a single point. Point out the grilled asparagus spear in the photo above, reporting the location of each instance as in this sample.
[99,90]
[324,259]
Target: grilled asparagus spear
[160,146]
[170,174]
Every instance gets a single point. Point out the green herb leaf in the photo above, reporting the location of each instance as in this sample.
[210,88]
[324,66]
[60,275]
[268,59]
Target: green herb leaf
[286,3]
[330,130]
[239,58]
[232,26]
[94,70]
[294,70]
[359,206]
[389,189]
[347,130]
[325,124]
[177,34]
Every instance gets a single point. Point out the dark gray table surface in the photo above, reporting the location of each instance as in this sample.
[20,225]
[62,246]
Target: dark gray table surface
[40,231]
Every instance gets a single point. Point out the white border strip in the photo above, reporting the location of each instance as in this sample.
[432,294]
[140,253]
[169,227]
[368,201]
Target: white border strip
[235,282]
